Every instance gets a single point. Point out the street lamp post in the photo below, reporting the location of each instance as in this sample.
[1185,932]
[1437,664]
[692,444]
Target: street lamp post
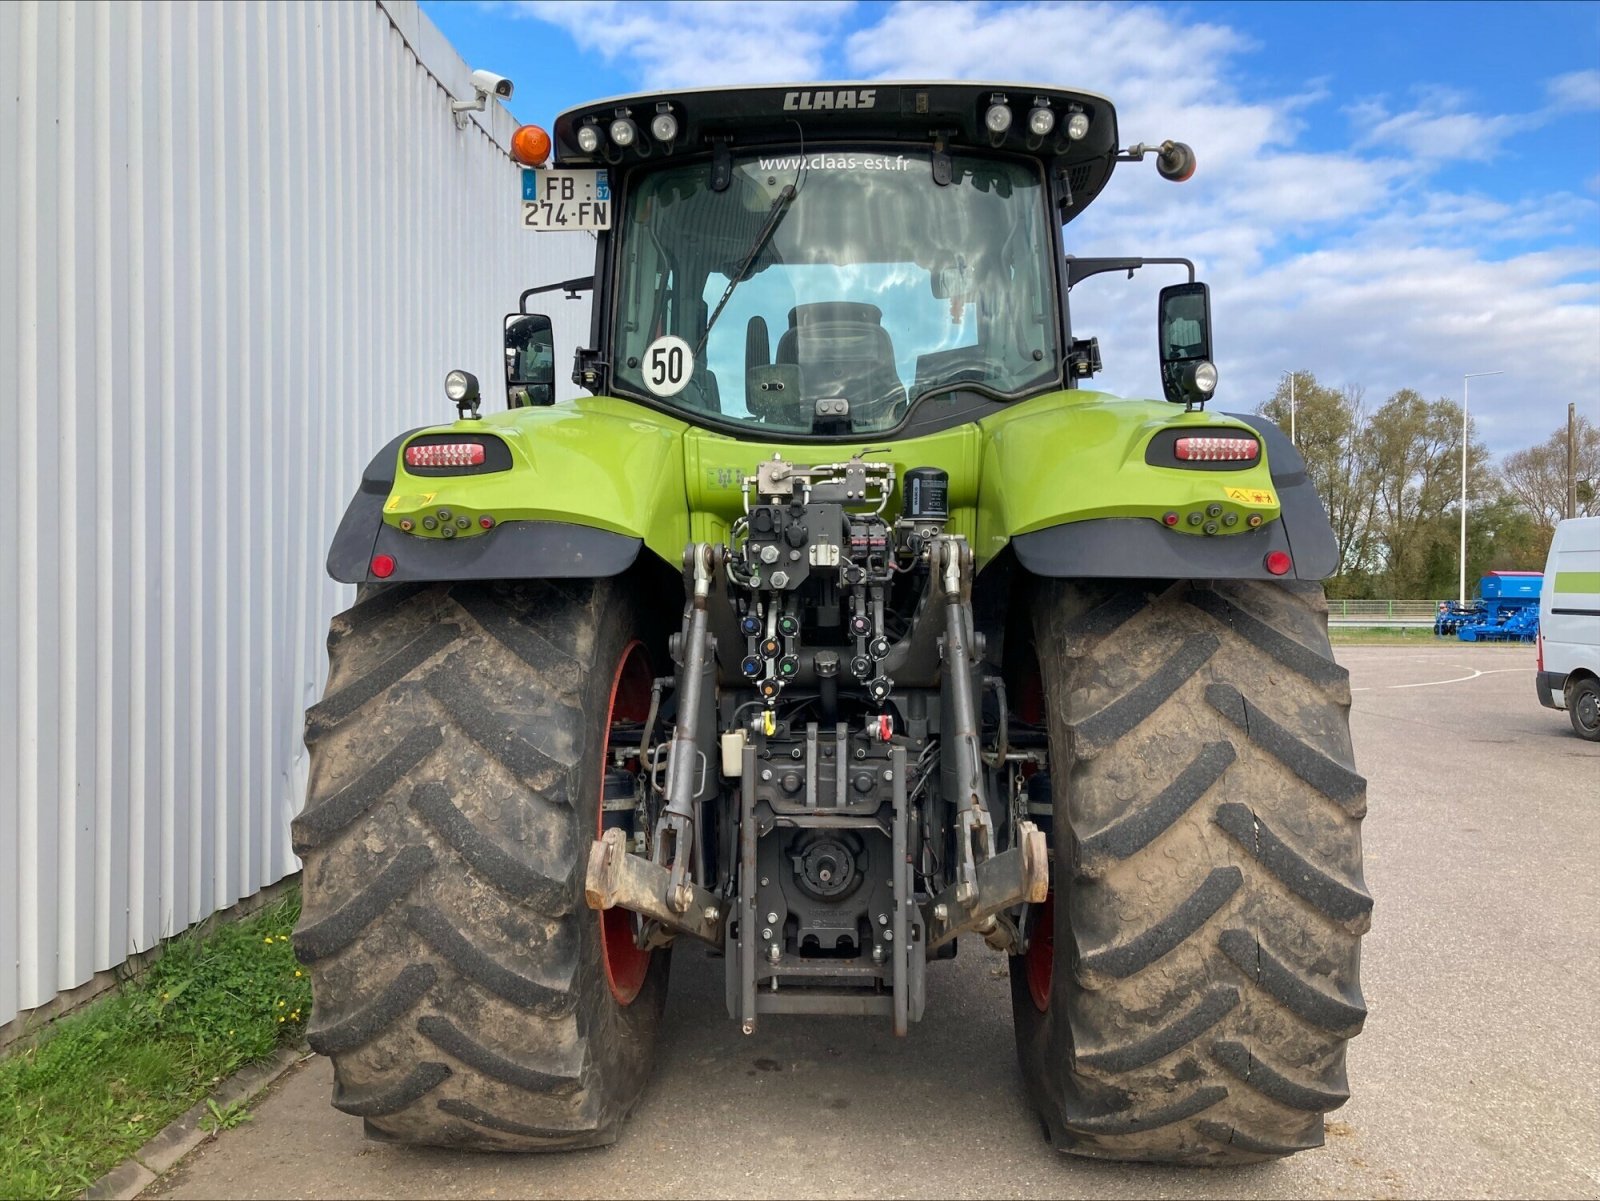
[1292,439]
[1464,379]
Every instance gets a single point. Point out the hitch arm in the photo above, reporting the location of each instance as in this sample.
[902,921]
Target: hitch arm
[1020,875]
[618,880]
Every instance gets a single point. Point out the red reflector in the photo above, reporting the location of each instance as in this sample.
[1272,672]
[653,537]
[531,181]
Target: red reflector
[1279,562]
[383,566]
[1216,450]
[486,522]
[445,454]
[1171,519]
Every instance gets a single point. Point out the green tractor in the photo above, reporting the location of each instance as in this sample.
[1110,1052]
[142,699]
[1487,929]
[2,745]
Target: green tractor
[838,625]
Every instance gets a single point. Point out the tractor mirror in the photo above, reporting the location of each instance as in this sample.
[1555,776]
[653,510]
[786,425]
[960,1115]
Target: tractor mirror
[530,360]
[1184,337]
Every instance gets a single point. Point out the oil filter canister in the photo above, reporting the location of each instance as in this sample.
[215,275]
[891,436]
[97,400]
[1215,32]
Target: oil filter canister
[927,494]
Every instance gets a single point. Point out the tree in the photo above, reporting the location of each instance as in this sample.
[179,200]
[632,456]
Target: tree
[1327,422]
[1411,448]
[1537,476]
[1502,535]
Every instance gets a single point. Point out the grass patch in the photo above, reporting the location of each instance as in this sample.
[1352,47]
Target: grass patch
[1387,636]
[105,1080]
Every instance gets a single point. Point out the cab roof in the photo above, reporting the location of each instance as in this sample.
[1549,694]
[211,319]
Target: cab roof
[929,113]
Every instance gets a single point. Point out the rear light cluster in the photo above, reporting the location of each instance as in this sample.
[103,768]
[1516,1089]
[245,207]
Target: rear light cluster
[1217,450]
[445,454]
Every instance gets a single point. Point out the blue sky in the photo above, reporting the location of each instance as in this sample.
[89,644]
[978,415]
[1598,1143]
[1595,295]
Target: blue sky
[1389,194]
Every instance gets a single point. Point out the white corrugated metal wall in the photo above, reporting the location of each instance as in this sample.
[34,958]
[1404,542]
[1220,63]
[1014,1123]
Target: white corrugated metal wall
[240,245]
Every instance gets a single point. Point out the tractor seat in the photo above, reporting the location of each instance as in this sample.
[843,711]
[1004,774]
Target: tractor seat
[843,350]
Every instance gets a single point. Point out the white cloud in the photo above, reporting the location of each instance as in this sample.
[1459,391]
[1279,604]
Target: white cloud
[1437,129]
[715,44]
[1576,91]
[1440,128]
[1454,219]
[1105,45]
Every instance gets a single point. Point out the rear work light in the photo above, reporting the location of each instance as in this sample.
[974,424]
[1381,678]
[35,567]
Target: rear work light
[1212,449]
[445,454]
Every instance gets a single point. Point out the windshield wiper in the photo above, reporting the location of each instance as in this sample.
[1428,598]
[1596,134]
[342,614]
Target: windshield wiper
[780,206]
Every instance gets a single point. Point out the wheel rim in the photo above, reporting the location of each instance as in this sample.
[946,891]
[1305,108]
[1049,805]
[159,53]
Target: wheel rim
[626,964]
[1589,709]
[1040,960]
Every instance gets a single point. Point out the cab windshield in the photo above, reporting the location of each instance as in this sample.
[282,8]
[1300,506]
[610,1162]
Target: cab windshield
[862,280]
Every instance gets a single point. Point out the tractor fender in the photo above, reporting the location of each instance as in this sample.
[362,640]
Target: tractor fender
[350,555]
[1137,548]
[514,550]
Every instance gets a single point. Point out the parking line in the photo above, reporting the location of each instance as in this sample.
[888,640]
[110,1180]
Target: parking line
[1454,680]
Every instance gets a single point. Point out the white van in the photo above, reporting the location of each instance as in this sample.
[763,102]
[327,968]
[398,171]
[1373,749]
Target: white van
[1569,626]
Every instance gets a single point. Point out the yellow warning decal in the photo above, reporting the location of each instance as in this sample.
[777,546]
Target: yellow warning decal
[1251,496]
[409,502]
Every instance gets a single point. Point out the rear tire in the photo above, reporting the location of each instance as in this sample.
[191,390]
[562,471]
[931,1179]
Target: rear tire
[461,985]
[1191,999]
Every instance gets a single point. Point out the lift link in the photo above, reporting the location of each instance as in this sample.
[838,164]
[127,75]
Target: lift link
[974,826]
[673,849]
[662,888]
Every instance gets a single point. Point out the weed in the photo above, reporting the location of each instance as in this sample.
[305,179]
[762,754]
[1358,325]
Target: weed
[105,1080]
[224,1117]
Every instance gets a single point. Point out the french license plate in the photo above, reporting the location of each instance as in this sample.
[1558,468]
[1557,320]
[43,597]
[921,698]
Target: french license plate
[563,201]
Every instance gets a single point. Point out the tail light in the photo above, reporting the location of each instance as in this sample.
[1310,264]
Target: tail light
[1208,448]
[456,454]
[445,454]
[1217,450]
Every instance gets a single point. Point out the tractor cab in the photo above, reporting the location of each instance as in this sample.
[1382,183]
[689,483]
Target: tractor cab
[832,261]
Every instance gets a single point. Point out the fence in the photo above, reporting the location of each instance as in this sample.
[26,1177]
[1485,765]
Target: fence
[1382,612]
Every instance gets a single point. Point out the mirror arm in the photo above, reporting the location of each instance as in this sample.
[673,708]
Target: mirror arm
[570,286]
[1079,270]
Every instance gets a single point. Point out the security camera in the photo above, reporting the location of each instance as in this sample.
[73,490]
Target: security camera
[495,85]
[484,85]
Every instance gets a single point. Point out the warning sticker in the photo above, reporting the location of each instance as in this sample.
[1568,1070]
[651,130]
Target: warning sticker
[398,501]
[1251,496]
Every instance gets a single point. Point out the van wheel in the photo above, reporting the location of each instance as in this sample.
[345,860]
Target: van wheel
[1583,707]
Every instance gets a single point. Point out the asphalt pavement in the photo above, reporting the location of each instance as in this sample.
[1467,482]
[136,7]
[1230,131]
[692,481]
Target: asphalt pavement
[1476,1075]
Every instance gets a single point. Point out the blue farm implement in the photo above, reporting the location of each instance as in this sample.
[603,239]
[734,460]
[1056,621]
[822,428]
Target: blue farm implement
[1452,616]
[1507,610]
